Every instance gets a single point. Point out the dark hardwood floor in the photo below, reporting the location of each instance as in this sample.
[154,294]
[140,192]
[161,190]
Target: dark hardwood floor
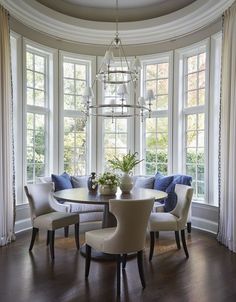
[208,275]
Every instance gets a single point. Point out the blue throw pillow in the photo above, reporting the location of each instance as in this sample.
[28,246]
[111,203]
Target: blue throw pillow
[62,181]
[162,182]
[170,202]
[179,179]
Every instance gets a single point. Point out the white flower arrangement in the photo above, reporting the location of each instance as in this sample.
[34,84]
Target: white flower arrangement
[109,178]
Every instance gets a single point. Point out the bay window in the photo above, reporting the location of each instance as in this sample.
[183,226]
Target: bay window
[179,136]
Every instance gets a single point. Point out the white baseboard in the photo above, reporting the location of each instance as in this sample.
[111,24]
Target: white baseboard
[23,225]
[204,224]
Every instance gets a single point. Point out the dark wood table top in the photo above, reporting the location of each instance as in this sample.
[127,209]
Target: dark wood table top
[82,195]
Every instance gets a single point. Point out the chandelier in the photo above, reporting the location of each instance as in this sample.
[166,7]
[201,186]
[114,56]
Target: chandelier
[117,72]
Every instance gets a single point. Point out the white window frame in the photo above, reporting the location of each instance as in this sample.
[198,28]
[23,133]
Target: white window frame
[51,89]
[180,112]
[147,60]
[90,63]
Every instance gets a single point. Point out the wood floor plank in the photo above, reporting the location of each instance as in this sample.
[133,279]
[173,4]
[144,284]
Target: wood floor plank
[208,275]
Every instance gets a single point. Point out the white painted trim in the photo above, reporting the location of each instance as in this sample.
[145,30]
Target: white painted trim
[23,225]
[201,221]
[90,62]
[156,59]
[204,224]
[182,22]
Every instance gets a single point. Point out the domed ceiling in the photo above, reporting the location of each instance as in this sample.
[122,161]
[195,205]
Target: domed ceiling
[140,21]
[105,10]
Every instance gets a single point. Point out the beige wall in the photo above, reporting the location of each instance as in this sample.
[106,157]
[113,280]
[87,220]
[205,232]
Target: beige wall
[91,49]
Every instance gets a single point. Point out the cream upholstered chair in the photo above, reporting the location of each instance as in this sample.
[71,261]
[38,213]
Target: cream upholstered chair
[128,237]
[174,220]
[43,216]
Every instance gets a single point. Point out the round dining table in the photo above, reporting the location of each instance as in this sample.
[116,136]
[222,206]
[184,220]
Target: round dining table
[82,195]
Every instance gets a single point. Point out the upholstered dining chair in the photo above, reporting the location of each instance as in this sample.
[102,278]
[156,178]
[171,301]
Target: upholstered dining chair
[43,216]
[174,220]
[127,237]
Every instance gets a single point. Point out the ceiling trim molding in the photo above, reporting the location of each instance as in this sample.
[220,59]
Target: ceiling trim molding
[180,23]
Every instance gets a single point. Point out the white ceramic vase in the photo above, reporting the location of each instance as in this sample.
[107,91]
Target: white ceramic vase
[126,183]
[107,190]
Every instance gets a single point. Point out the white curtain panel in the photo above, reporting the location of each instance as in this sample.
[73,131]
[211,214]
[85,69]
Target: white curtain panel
[227,223]
[6,136]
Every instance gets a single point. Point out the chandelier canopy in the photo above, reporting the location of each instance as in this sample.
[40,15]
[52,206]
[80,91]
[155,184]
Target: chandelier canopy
[120,76]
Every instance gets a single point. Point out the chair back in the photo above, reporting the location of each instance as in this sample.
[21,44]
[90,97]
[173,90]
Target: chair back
[38,196]
[184,197]
[132,218]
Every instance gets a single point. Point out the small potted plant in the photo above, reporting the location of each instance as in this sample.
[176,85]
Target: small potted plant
[125,164]
[108,183]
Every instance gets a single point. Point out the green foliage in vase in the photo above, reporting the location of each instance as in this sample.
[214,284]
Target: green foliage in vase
[126,164]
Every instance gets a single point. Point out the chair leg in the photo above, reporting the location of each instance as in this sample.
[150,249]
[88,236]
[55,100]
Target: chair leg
[152,243]
[48,239]
[157,235]
[189,227]
[34,233]
[140,268]
[124,259]
[77,235]
[87,260]
[184,243]
[66,231]
[177,239]
[118,261]
[51,242]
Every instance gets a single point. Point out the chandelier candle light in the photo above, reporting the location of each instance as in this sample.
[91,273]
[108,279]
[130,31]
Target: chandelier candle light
[118,72]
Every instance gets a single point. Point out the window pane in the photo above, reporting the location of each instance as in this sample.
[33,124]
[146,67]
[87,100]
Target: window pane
[69,86]
[80,85]
[30,78]
[68,70]
[191,122]
[29,60]
[39,80]
[195,78]
[35,146]
[115,138]
[201,96]
[192,98]
[39,98]
[75,148]
[162,102]
[39,63]
[162,86]
[163,70]
[202,61]
[156,142]
[80,72]
[151,72]
[201,79]
[192,81]
[192,64]
[30,96]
